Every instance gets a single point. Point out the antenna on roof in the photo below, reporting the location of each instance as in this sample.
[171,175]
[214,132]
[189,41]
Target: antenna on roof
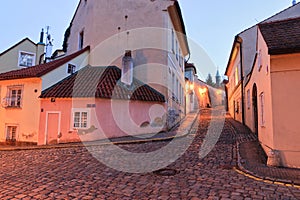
[49,46]
[294,2]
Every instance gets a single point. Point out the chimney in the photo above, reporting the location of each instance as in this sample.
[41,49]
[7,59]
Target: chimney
[127,68]
[294,2]
[42,37]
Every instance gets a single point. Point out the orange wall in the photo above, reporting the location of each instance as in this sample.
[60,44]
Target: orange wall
[25,118]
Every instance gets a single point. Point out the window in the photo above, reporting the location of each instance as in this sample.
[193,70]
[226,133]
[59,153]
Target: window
[259,60]
[236,76]
[80,119]
[71,69]
[177,51]
[248,99]
[237,108]
[14,98]
[173,40]
[81,39]
[180,60]
[262,109]
[26,59]
[11,133]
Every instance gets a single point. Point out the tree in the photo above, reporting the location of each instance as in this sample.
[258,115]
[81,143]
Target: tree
[209,80]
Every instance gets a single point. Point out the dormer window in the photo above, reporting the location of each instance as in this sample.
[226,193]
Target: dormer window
[26,59]
[71,69]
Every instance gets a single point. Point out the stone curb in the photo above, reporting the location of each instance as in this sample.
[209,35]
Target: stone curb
[62,146]
[257,176]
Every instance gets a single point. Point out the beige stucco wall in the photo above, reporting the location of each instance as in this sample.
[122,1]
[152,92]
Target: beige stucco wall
[263,82]
[285,77]
[10,60]
[25,118]
[60,73]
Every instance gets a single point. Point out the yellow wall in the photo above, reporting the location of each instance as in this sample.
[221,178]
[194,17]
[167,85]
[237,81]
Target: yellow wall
[234,86]
[285,74]
[26,117]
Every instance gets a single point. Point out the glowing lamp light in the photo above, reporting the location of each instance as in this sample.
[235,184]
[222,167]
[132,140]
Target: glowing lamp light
[192,86]
[202,90]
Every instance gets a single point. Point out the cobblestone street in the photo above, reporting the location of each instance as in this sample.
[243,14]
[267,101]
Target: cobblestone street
[73,173]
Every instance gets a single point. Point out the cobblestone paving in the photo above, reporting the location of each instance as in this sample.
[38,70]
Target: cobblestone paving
[73,173]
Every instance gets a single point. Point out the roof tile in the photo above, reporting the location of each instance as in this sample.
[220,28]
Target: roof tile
[101,82]
[282,36]
[39,70]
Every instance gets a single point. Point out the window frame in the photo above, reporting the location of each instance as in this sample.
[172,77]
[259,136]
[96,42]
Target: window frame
[71,69]
[8,136]
[262,109]
[81,111]
[248,99]
[28,53]
[9,96]
[80,39]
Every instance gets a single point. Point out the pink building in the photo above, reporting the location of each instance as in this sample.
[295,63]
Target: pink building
[94,104]
[263,71]
[154,31]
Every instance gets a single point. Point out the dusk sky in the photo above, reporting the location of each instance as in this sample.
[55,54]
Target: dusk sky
[211,25]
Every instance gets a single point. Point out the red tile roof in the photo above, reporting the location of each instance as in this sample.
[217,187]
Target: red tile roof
[39,70]
[282,36]
[101,82]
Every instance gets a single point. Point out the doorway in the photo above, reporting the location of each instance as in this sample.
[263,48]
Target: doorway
[52,127]
[255,109]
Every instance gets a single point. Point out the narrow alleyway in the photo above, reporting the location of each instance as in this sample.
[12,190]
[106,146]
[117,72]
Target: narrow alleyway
[73,173]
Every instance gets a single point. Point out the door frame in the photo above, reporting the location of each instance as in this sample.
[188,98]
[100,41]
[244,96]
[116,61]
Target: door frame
[46,125]
[255,108]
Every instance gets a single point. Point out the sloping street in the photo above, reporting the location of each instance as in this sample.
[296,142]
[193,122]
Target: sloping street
[73,173]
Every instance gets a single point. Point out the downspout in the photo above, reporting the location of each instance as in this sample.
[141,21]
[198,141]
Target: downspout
[240,41]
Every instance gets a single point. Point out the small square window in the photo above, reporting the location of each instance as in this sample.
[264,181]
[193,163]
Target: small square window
[26,59]
[71,69]
[80,119]
[11,133]
[14,97]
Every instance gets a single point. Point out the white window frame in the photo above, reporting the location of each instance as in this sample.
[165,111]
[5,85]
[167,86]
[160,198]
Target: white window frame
[81,110]
[10,96]
[248,99]
[10,136]
[262,109]
[28,53]
[259,60]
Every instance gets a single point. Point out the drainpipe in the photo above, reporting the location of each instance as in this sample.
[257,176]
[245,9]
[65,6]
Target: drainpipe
[240,41]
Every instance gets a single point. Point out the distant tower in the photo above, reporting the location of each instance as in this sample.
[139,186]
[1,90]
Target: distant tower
[294,2]
[218,79]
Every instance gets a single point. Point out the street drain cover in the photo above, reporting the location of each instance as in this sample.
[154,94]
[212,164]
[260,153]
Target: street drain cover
[166,172]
